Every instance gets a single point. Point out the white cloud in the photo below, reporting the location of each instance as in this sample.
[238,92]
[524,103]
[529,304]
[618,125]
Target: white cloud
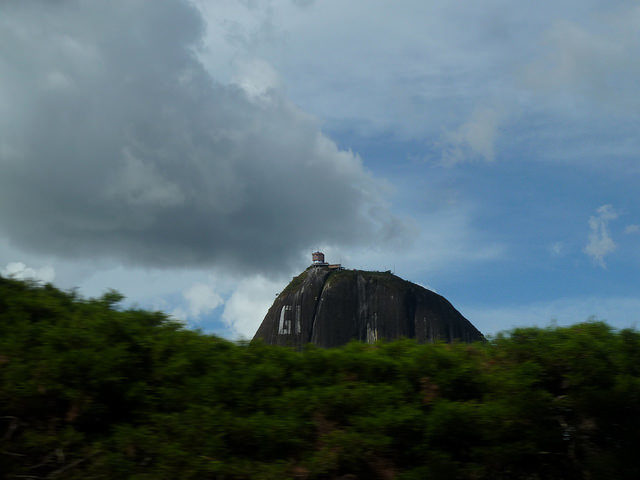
[600,242]
[632,228]
[474,138]
[20,271]
[248,304]
[201,300]
[257,78]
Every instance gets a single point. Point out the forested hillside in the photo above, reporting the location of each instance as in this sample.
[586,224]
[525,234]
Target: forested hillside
[88,391]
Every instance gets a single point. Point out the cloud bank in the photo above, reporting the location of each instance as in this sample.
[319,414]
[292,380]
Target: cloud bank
[115,142]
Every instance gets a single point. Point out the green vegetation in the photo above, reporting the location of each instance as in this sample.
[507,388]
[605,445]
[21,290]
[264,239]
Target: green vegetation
[91,392]
[295,283]
[339,275]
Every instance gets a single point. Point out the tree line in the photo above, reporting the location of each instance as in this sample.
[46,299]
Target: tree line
[92,391]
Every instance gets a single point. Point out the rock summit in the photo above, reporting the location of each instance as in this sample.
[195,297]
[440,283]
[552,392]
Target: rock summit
[328,305]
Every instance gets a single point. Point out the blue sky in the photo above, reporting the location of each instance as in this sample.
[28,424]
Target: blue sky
[192,154]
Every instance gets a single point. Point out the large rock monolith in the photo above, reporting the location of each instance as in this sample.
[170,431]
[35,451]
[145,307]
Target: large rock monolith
[330,307]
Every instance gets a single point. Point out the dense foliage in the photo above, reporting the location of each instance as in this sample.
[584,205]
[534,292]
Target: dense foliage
[88,391]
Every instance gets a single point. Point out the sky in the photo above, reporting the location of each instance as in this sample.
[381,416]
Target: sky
[191,154]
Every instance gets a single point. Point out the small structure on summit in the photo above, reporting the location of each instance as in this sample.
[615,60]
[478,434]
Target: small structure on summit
[318,258]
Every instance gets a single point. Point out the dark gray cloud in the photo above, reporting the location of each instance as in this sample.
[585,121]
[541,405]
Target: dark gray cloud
[115,142]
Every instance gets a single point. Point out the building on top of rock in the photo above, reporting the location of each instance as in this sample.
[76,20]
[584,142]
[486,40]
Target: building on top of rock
[318,259]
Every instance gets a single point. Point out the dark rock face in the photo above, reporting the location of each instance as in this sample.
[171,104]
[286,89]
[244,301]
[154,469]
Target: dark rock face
[331,307]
